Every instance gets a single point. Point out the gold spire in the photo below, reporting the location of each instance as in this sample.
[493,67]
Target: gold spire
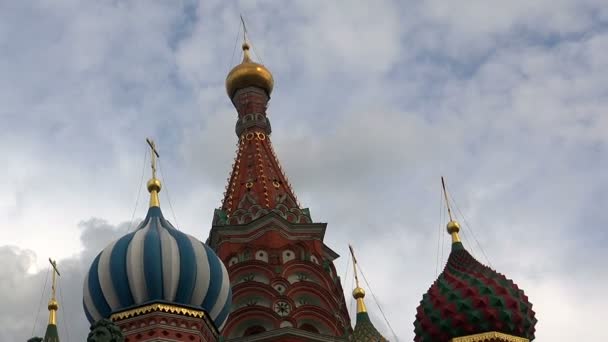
[248,73]
[154,184]
[358,292]
[53,305]
[453,226]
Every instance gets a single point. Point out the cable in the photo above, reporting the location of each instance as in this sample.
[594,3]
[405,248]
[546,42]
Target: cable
[160,168]
[234,49]
[141,182]
[46,280]
[351,302]
[378,304]
[257,54]
[439,233]
[345,277]
[442,235]
[464,219]
[246,32]
[347,266]
[65,322]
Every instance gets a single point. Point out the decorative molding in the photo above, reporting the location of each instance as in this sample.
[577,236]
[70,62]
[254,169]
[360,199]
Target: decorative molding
[157,307]
[489,336]
[160,307]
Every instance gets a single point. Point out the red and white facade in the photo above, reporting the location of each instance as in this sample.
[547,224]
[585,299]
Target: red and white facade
[284,283]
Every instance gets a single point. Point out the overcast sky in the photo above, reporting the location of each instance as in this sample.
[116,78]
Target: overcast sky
[373,102]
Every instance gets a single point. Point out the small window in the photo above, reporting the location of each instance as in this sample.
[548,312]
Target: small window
[314,259]
[233,261]
[279,287]
[288,255]
[261,255]
[309,327]
[254,330]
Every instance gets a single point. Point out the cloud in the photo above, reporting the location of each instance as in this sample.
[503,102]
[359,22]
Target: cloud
[372,105]
[27,294]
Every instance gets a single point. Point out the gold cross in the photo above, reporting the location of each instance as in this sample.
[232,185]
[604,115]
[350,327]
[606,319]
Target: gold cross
[55,274]
[244,29]
[352,253]
[154,154]
[445,194]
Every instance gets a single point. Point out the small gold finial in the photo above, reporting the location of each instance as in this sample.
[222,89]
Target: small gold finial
[53,304]
[453,226]
[154,184]
[358,292]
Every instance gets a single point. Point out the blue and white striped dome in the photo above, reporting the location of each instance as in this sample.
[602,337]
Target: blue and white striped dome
[157,263]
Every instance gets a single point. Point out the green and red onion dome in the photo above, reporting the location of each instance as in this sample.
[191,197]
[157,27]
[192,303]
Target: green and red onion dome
[470,298]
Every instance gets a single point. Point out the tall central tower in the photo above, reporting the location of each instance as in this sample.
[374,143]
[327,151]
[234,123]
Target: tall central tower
[284,283]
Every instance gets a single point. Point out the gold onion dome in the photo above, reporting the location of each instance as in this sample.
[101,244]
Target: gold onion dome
[248,74]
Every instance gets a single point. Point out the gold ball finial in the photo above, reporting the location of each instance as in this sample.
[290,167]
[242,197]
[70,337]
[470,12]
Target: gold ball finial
[53,305]
[358,293]
[154,185]
[453,227]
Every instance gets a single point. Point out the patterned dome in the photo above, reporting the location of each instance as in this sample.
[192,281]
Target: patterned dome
[365,330]
[157,263]
[469,298]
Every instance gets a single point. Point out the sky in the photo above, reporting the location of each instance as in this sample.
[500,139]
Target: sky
[373,103]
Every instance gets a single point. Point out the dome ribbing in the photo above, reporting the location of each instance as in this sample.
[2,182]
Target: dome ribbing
[157,263]
[470,298]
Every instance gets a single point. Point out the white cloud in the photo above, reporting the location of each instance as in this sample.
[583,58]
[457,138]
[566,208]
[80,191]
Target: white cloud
[372,104]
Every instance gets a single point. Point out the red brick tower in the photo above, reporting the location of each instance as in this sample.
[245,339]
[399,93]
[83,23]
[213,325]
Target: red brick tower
[284,283]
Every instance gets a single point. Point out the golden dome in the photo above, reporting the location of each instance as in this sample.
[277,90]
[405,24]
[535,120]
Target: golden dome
[358,293]
[248,74]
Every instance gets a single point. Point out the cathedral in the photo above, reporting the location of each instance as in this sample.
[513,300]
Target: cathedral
[264,272]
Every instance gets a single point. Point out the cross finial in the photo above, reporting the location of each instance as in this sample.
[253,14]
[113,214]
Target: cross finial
[154,154]
[53,305]
[358,292]
[352,253]
[453,226]
[154,184]
[445,194]
[246,57]
[55,274]
[244,29]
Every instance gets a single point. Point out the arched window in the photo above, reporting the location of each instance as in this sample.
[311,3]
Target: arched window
[309,327]
[254,330]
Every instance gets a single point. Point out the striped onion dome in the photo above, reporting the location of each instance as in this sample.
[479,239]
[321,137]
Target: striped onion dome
[157,263]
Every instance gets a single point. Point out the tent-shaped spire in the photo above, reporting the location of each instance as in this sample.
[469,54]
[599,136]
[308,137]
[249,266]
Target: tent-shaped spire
[52,335]
[257,184]
[365,331]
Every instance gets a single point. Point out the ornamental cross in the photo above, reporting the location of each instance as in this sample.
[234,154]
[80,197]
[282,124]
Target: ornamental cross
[244,29]
[445,194]
[154,154]
[352,253]
[55,274]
